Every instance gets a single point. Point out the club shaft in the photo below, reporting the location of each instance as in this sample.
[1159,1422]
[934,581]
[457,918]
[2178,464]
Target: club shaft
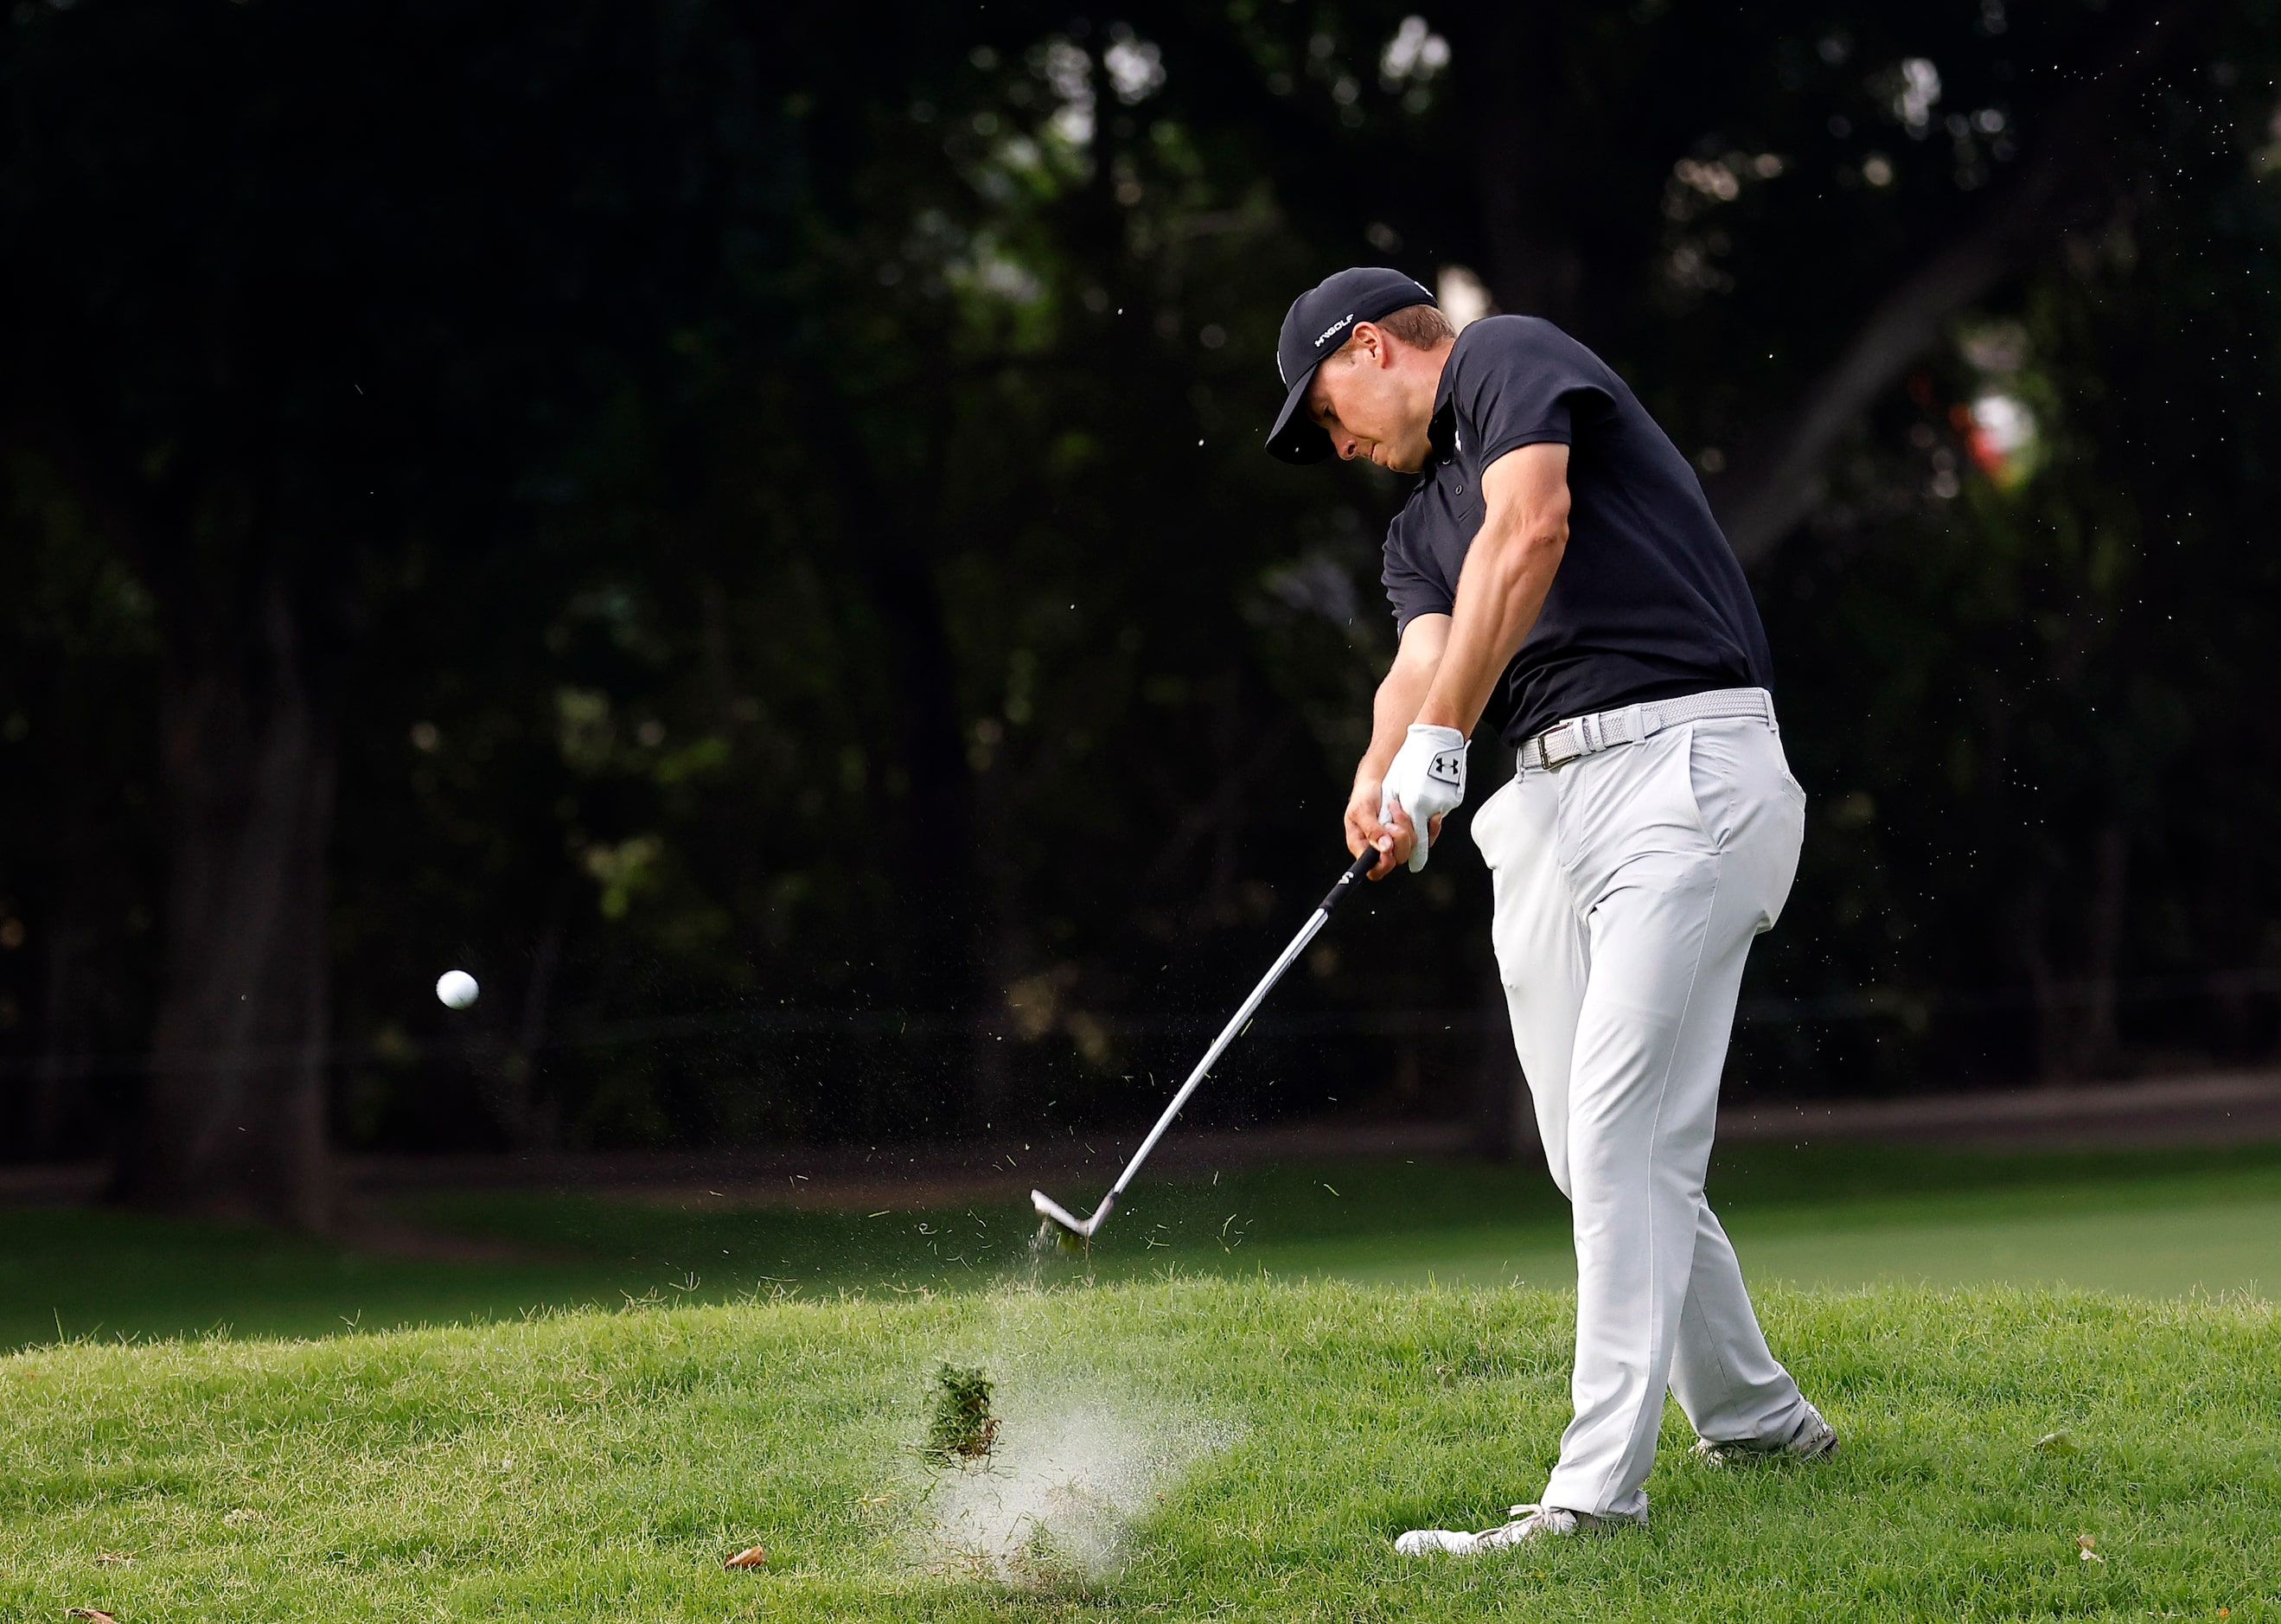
[1315,921]
[1347,882]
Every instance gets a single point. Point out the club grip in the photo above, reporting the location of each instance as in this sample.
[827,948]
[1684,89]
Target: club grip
[1353,876]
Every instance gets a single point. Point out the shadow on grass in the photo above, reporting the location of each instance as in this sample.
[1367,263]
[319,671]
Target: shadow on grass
[103,1274]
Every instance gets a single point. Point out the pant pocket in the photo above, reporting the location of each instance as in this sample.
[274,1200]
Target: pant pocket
[1753,810]
[1714,771]
[1488,821]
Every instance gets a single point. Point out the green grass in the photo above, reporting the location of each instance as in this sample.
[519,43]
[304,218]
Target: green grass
[2156,1224]
[1361,1362]
[599,1467]
[77,1273]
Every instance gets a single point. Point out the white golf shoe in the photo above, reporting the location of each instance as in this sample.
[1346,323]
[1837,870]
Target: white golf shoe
[1528,1522]
[1813,1439]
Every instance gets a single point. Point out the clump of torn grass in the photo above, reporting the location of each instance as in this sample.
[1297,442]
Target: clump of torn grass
[963,1432]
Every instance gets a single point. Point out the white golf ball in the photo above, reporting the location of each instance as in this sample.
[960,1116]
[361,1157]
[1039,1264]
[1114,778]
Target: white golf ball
[456,988]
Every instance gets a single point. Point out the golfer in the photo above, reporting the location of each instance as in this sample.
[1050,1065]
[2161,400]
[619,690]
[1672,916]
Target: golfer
[1556,543]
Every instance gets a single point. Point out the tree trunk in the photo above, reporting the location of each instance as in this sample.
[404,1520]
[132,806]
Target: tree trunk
[933,823]
[233,1122]
[539,1121]
[936,869]
[2101,1030]
[1777,479]
[89,1001]
[1778,483]
[2054,1051]
[1509,62]
[2077,1032]
[72,1027]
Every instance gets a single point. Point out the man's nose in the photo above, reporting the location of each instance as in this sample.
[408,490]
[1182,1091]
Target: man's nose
[1347,446]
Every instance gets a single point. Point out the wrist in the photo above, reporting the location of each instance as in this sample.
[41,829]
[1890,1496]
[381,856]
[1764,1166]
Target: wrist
[1438,709]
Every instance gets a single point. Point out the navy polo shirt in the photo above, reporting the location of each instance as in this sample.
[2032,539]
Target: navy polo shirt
[1648,602]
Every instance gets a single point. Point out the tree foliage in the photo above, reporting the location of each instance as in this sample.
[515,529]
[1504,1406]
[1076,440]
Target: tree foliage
[783,585]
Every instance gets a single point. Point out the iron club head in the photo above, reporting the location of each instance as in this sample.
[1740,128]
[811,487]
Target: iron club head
[1064,1225]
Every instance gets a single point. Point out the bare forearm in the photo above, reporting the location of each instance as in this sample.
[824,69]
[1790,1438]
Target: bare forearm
[1391,713]
[1501,590]
[1500,593]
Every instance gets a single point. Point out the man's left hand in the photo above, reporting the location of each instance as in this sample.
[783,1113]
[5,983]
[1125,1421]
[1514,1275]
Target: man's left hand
[1426,778]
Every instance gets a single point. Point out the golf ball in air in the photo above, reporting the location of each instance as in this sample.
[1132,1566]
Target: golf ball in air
[456,988]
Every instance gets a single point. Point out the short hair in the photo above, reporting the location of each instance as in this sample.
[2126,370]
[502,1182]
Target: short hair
[1422,326]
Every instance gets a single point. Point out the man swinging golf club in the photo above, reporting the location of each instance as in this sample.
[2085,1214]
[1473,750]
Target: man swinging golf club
[1556,541]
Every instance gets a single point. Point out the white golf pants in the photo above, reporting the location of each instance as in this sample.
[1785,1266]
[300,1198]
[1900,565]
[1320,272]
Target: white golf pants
[1628,886]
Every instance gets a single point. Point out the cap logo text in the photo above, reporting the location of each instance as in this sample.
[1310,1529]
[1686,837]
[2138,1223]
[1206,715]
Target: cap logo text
[1322,337]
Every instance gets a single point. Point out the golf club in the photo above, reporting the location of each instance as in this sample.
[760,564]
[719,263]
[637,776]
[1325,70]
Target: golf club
[1082,1230]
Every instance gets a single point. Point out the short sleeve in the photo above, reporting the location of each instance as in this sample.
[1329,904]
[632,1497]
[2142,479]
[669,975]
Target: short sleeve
[1514,382]
[1408,589]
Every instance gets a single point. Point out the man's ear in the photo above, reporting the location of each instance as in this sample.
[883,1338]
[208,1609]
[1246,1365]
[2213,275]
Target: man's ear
[1369,343]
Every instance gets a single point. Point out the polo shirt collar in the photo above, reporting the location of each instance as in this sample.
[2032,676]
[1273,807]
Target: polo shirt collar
[1441,432]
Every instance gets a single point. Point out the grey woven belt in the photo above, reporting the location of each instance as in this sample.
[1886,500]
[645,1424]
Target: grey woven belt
[1582,736]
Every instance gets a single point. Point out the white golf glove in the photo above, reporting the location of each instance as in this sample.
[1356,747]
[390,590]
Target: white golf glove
[1429,777]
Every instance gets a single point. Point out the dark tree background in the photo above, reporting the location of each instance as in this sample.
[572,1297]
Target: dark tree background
[744,526]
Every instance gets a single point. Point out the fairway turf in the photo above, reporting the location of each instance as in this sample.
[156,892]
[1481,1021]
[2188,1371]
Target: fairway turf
[601,1467]
[2153,1223]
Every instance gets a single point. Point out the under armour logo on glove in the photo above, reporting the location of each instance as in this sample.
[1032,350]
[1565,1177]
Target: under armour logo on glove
[1428,777]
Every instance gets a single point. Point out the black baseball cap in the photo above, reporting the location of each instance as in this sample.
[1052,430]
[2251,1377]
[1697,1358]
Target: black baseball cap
[1318,324]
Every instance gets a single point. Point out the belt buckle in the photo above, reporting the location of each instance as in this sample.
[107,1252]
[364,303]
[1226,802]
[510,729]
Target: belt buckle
[1544,754]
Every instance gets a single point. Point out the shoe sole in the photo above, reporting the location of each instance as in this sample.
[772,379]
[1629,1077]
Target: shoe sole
[1741,1454]
[1587,1527]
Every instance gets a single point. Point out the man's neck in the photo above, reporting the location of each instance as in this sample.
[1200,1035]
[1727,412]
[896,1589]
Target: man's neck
[1432,365]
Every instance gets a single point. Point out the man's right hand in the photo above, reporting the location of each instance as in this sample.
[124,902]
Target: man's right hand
[1393,838]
